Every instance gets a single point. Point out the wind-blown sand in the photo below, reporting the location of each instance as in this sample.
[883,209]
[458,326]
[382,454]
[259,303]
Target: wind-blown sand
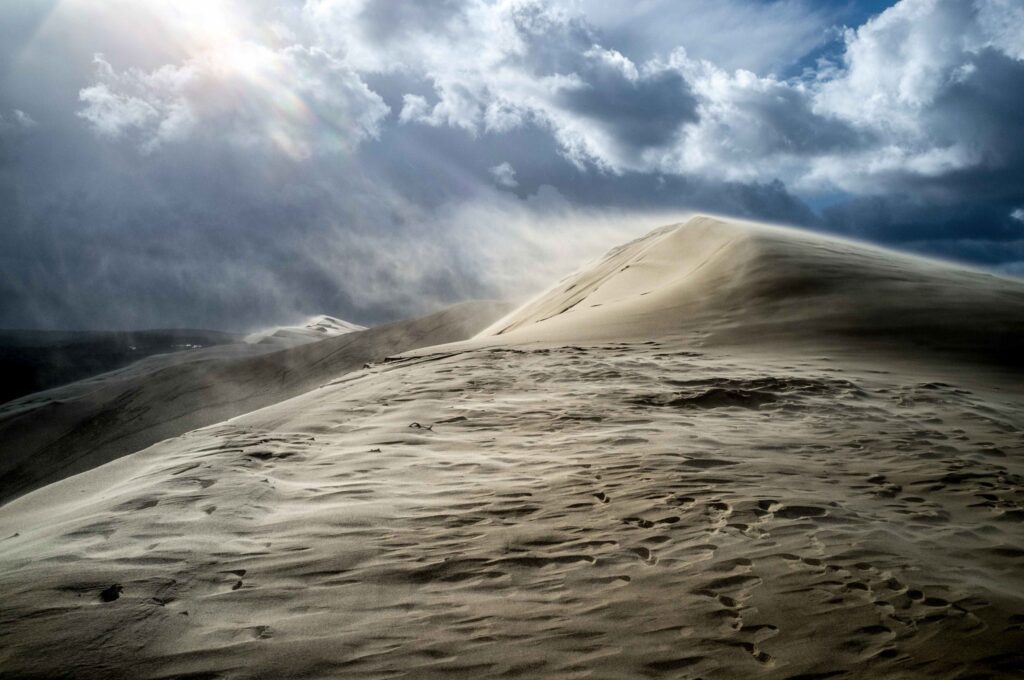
[57,433]
[684,481]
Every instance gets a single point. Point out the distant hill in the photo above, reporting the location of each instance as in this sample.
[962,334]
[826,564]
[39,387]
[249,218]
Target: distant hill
[31,361]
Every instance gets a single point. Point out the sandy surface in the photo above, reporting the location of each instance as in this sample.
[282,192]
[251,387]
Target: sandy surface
[651,504]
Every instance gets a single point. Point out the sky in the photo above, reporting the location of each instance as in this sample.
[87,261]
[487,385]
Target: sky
[233,164]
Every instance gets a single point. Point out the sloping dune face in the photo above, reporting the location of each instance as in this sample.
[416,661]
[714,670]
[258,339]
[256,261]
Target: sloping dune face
[661,504]
[727,282]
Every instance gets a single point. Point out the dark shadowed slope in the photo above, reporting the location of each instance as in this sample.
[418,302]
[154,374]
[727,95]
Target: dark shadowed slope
[31,361]
[48,436]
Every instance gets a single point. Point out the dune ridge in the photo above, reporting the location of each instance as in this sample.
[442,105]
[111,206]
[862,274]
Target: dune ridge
[723,282]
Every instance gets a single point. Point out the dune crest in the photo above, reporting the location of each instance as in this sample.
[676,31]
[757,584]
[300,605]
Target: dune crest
[316,328]
[728,282]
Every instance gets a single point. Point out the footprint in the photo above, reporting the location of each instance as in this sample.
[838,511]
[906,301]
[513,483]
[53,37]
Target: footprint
[112,593]
[763,658]
[674,664]
[800,512]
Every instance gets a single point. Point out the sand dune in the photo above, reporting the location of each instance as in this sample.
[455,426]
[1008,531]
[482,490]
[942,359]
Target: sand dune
[316,328]
[634,489]
[53,434]
[716,282]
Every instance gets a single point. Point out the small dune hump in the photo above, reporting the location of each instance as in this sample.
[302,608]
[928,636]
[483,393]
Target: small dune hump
[315,328]
[724,451]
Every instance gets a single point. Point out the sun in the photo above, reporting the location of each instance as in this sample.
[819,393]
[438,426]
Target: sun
[206,24]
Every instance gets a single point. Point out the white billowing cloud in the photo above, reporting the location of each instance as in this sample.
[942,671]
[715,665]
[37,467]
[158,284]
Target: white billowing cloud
[1018,214]
[504,175]
[1002,24]
[496,66]
[851,126]
[109,109]
[300,100]
[897,63]
[898,69]
[751,128]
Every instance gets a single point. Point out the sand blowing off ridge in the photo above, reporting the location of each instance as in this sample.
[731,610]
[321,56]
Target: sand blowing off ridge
[723,451]
[728,283]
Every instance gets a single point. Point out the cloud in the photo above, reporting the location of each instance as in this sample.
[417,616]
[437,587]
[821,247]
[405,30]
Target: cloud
[495,67]
[891,110]
[301,100]
[504,175]
[24,120]
[763,37]
[934,81]
[17,121]
[634,109]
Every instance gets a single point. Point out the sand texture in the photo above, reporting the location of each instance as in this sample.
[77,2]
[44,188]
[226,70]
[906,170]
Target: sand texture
[653,499]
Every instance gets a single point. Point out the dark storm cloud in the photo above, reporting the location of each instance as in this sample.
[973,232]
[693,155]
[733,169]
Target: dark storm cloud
[639,113]
[784,122]
[983,111]
[902,218]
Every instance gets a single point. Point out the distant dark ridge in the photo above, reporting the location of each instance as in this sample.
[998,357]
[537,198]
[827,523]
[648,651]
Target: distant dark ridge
[31,360]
